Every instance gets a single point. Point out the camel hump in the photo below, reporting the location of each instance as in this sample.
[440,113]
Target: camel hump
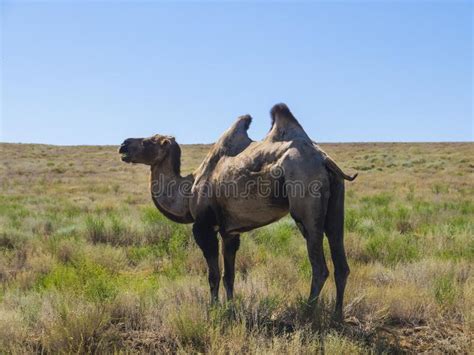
[242,123]
[236,138]
[284,125]
[280,113]
[231,143]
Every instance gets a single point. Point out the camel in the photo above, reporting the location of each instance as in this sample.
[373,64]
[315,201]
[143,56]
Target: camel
[242,185]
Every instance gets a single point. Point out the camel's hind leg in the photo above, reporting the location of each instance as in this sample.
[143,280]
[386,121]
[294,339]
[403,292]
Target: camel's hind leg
[309,214]
[334,228]
[230,245]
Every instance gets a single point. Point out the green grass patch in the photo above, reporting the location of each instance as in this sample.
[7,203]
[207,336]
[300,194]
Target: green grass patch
[83,278]
[277,238]
[390,249]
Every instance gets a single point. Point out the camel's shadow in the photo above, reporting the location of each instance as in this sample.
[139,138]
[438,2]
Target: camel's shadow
[316,318]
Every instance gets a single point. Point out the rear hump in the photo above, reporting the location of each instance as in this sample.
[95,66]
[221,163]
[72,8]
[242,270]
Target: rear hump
[285,127]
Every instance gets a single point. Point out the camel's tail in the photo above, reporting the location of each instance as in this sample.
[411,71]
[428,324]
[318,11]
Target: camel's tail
[331,165]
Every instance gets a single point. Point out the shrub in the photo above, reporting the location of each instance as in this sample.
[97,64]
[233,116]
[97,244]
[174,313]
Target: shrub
[12,239]
[74,326]
[445,290]
[95,229]
[12,330]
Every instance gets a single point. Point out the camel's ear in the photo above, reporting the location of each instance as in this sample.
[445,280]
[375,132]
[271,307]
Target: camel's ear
[165,142]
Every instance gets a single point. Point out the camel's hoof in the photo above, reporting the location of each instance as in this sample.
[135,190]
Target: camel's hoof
[312,302]
[214,302]
[338,317]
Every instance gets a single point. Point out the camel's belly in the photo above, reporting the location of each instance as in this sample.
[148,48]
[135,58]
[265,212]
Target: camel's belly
[244,215]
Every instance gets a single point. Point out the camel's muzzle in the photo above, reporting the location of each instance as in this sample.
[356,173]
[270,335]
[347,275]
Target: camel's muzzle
[123,150]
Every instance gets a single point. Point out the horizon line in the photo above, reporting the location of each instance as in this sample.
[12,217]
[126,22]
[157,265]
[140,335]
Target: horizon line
[322,142]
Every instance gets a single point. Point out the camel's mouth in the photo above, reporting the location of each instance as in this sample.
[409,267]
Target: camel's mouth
[124,153]
[126,158]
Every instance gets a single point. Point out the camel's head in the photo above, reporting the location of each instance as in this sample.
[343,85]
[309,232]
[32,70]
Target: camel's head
[150,151]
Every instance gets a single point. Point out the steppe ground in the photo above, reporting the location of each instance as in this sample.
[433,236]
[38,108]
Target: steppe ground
[87,264]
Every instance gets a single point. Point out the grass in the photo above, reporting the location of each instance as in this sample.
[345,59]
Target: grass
[87,264]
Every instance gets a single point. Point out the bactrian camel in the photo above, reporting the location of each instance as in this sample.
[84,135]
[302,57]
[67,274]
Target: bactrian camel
[224,195]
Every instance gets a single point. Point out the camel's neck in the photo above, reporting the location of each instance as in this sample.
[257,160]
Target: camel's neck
[171,192]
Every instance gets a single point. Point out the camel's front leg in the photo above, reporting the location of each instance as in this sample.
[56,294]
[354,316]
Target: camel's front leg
[230,246]
[206,238]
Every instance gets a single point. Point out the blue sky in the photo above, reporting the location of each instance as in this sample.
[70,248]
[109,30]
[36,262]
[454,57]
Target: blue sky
[98,72]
